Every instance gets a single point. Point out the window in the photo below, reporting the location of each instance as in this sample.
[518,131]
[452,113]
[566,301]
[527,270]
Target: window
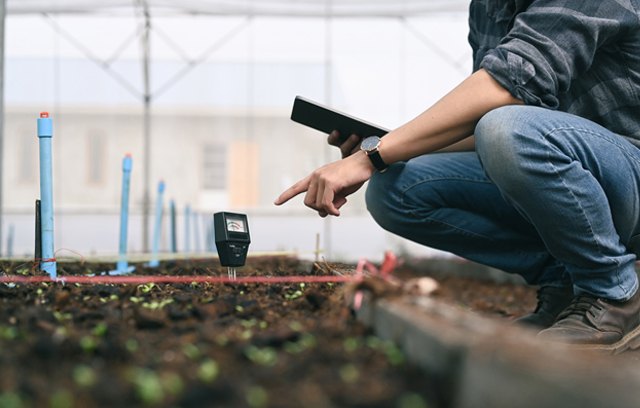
[214,163]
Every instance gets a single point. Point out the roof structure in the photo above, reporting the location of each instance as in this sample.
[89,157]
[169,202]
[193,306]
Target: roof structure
[299,8]
[146,10]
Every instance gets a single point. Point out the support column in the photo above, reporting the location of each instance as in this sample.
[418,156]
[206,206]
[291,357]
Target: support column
[3,14]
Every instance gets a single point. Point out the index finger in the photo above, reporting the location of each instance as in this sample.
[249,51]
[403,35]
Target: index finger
[300,187]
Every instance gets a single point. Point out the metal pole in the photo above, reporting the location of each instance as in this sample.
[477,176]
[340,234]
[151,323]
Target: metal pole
[3,14]
[37,253]
[328,97]
[146,144]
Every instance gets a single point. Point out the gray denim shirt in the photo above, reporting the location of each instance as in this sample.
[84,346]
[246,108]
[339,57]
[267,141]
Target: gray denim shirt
[577,56]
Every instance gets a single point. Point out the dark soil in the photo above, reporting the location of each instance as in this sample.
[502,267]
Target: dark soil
[206,345]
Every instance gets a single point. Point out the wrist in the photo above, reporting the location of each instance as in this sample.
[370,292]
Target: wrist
[371,147]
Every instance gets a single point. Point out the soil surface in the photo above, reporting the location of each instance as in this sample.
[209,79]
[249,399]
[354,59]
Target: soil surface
[212,345]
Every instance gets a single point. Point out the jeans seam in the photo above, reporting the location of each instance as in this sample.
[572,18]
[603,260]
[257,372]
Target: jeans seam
[435,221]
[404,190]
[608,140]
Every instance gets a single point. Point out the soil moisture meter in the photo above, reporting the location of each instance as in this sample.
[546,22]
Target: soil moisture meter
[232,239]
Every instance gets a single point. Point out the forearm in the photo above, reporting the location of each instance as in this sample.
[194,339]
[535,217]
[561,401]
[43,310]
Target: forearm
[467,144]
[449,121]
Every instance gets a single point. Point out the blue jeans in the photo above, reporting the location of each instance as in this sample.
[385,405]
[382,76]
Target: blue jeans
[548,195]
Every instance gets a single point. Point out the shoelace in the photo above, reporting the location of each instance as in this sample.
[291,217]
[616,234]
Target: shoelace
[580,306]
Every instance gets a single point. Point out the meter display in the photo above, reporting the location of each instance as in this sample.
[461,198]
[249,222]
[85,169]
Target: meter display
[232,238]
[235,224]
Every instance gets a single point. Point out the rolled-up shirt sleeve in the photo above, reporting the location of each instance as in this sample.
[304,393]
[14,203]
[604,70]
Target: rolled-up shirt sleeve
[552,43]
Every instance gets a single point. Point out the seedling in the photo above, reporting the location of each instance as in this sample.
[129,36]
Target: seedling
[232,240]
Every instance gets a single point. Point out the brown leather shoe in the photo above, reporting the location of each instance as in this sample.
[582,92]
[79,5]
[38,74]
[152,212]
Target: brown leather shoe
[596,323]
[551,301]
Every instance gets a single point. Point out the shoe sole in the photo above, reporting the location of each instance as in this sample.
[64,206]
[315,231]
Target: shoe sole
[629,342]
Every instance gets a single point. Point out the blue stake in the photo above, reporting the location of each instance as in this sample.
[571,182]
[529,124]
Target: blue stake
[45,134]
[196,231]
[122,267]
[172,212]
[154,263]
[187,230]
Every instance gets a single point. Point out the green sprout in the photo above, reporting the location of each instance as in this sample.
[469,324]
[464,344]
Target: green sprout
[222,340]
[296,326]
[60,333]
[155,305]
[131,345]
[146,288]
[59,316]
[172,383]
[191,351]
[246,334]
[349,373]
[23,271]
[88,344]
[295,294]
[148,386]
[208,371]
[8,333]
[10,400]
[351,344]
[412,400]
[100,330]
[265,356]
[306,341]
[257,397]
[84,376]
[394,354]
[61,399]
[247,324]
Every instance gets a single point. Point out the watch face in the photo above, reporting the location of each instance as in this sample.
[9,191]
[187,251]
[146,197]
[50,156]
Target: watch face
[370,143]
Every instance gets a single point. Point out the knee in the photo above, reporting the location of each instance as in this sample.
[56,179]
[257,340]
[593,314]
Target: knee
[505,139]
[494,135]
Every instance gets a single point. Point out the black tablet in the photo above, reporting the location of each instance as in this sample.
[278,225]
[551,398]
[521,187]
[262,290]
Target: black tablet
[327,120]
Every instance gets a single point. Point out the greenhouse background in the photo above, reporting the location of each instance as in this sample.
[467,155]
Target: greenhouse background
[200,93]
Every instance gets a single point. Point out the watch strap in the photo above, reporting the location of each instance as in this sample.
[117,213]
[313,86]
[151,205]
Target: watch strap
[377,161]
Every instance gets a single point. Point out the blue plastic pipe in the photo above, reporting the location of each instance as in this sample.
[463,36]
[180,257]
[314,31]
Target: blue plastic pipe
[122,267]
[45,134]
[172,214]
[187,229]
[196,232]
[154,262]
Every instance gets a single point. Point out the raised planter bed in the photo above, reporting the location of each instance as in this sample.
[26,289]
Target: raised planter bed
[195,345]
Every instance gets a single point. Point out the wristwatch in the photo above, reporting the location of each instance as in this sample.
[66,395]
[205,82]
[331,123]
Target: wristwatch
[370,146]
